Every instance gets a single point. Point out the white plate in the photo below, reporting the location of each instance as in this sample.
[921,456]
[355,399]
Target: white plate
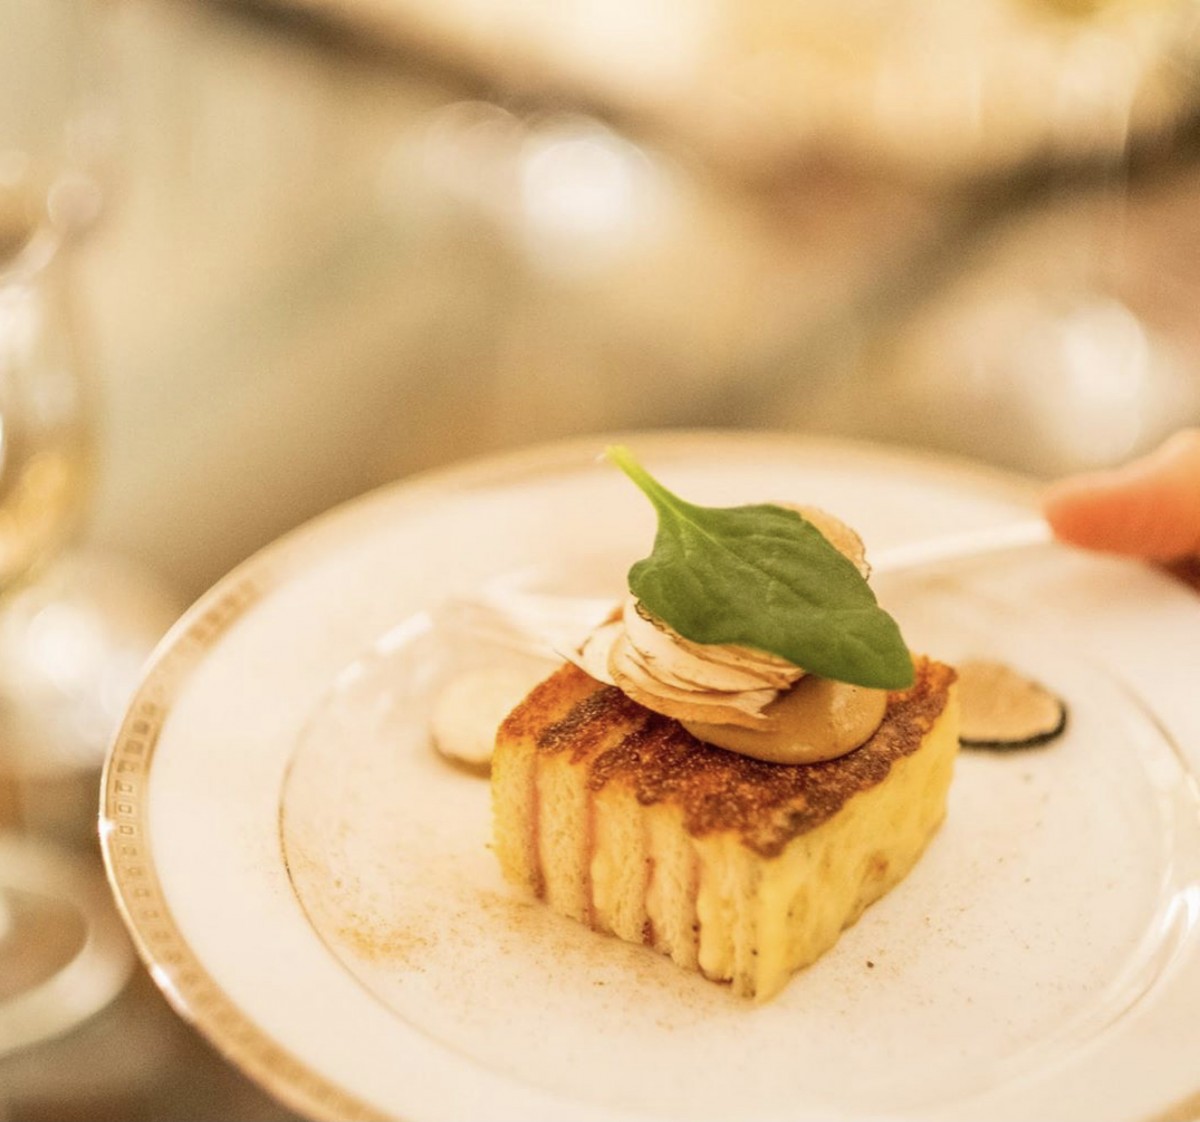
[313,887]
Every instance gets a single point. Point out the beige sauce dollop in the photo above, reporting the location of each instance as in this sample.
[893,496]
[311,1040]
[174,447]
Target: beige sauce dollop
[817,719]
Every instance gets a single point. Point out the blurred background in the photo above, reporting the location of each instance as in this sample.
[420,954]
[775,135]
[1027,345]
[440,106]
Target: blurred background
[259,256]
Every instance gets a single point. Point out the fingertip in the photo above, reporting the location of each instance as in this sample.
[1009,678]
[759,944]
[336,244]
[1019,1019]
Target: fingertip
[1147,508]
[1080,510]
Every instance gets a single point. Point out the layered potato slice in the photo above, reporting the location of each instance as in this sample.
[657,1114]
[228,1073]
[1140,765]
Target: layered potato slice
[741,869]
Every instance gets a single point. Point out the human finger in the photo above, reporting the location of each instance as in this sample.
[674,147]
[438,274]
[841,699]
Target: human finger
[1147,508]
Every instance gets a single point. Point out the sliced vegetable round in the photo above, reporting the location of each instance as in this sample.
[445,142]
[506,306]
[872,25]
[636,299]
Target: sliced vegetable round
[1003,709]
[468,709]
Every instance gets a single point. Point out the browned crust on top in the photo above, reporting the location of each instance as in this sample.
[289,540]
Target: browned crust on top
[622,742]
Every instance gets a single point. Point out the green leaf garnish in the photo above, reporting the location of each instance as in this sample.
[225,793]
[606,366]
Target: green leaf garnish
[764,577]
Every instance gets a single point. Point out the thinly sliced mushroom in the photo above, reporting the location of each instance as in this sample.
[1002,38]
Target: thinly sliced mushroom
[593,656]
[666,656]
[771,669]
[1003,709]
[836,533]
[742,708]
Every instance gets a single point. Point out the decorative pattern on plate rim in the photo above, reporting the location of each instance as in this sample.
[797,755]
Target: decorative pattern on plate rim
[190,989]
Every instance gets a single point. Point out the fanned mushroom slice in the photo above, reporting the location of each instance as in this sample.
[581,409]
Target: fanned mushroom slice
[1003,709]
[772,670]
[836,533]
[678,662]
[743,708]
[592,658]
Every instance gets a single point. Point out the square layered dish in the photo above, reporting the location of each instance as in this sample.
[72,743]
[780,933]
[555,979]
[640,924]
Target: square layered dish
[743,870]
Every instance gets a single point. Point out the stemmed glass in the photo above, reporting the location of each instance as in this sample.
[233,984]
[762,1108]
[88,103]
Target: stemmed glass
[62,953]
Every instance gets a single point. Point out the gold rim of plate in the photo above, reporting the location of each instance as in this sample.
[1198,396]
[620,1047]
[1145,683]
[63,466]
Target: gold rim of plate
[172,963]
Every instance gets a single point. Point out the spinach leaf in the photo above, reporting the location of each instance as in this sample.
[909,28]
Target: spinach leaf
[764,577]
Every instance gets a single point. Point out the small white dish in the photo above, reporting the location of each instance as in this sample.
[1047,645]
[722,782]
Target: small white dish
[312,886]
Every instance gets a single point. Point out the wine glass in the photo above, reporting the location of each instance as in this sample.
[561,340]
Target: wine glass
[63,954]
